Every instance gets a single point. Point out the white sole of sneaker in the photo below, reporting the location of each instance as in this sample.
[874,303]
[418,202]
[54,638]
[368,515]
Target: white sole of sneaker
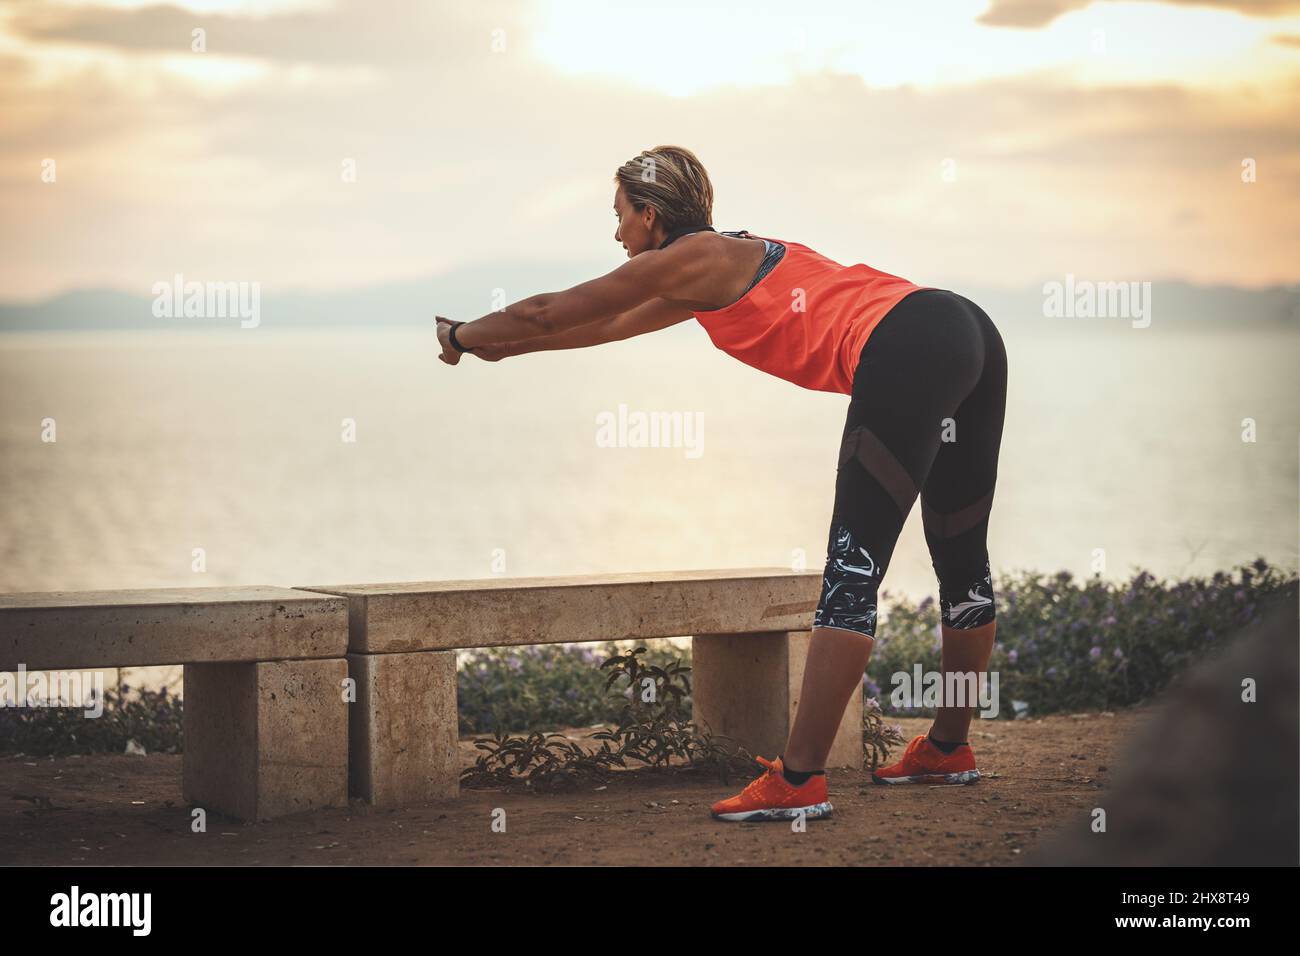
[811,812]
[965,776]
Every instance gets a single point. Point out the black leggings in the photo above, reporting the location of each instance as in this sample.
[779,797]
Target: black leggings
[925,414]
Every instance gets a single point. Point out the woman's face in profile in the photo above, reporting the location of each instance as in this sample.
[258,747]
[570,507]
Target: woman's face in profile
[632,232]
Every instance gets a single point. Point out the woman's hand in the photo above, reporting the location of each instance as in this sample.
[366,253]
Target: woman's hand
[450,354]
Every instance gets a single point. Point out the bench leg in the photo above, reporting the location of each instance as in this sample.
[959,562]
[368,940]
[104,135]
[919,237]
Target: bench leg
[265,739]
[746,687]
[402,730]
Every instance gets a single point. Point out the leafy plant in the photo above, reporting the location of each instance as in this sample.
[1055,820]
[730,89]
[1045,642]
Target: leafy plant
[878,738]
[653,728]
[539,687]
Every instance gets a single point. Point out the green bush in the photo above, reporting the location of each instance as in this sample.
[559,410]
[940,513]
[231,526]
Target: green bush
[1067,645]
[152,718]
[543,686]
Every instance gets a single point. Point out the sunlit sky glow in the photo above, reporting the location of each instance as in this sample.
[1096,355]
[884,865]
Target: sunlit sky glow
[1105,139]
[923,43]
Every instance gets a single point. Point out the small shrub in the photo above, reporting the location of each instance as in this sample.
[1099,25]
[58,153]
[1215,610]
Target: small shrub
[878,738]
[152,718]
[653,728]
[1067,645]
[538,687]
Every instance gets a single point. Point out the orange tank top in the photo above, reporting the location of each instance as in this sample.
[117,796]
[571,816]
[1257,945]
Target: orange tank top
[807,320]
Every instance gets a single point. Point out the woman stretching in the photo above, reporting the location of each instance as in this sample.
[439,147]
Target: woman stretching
[926,375]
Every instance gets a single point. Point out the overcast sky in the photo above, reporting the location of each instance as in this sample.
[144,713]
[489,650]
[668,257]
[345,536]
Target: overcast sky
[999,142]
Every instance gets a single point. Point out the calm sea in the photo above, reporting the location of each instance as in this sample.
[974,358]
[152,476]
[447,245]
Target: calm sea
[295,458]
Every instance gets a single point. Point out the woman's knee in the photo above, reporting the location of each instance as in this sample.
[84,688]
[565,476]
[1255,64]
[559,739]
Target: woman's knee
[966,597]
[850,583]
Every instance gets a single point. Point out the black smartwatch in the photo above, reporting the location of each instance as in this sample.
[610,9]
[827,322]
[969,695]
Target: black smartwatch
[451,334]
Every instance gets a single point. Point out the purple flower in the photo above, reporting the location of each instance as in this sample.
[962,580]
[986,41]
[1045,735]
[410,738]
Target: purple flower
[1012,655]
[1051,671]
[1109,621]
[1117,654]
[1095,653]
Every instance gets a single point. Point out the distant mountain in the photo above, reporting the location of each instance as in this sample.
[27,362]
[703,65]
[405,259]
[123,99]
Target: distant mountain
[468,293]
[463,294]
[1171,301]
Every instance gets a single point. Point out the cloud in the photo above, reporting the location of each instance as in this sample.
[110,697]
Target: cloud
[1032,14]
[376,32]
[467,158]
[1287,39]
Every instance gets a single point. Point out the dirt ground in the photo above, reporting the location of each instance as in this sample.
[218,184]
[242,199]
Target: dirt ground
[1039,776]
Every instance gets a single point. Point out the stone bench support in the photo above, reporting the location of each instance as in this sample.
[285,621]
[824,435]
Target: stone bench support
[747,686]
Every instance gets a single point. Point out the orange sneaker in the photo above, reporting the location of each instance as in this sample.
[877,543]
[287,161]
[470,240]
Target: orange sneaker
[923,762]
[772,797]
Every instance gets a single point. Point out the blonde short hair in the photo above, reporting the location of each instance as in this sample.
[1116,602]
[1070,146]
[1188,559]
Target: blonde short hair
[673,181]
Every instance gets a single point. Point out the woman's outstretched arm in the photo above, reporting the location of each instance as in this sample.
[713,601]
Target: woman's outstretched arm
[646,317]
[643,278]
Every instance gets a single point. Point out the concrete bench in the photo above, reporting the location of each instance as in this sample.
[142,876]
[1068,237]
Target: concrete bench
[749,629]
[265,668]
